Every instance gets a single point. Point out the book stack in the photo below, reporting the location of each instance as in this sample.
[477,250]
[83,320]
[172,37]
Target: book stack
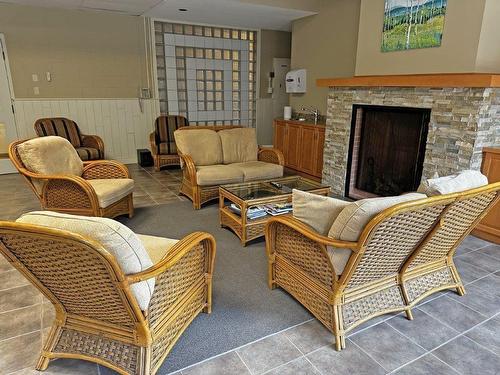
[278,208]
[252,213]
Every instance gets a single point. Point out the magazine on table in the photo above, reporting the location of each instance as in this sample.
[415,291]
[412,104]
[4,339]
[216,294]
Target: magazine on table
[257,212]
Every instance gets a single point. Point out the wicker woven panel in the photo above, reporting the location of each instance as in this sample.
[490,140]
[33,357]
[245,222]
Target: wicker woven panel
[170,285]
[391,242]
[381,300]
[208,193]
[66,194]
[119,208]
[268,157]
[255,231]
[420,285]
[162,345]
[306,254]
[228,222]
[122,355]
[457,220]
[104,171]
[74,273]
[305,295]
[169,160]
[186,188]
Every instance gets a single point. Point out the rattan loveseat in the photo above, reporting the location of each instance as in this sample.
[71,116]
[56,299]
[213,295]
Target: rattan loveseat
[403,254]
[98,318]
[217,155]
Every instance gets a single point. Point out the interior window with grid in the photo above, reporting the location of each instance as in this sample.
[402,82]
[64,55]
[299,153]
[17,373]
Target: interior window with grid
[206,73]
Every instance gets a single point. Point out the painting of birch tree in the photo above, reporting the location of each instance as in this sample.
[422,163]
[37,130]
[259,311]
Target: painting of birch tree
[410,24]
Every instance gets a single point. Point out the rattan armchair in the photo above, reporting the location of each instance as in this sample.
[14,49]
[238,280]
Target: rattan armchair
[74,194]
[404,254]
[97,317]
[162,143]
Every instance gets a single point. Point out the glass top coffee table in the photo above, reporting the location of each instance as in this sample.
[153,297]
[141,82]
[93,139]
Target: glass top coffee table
[241,206]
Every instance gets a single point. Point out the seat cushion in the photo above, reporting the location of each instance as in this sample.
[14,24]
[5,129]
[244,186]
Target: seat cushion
[50,155]
[258,170]
[315,210]
[218,175]
[167,148]
[157,247]
[61,127]
[115,237]
[203,145]
[111,190]
[239,145]
[88,153]
[456,183]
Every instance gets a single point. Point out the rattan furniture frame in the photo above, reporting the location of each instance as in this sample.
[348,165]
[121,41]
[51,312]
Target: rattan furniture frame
[73,194]
[248,230]
[97,317]
[404,254]
[202,194]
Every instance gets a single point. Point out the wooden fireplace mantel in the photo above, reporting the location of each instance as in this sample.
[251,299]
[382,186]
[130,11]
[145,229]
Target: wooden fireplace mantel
[415,80]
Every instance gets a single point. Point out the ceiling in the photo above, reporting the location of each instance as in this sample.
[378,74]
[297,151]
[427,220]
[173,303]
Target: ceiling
[254,14]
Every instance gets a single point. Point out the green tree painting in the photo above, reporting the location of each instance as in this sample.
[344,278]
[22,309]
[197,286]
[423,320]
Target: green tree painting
[410,24]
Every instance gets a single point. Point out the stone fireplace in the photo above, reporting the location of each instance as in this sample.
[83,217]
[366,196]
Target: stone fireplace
[462,119]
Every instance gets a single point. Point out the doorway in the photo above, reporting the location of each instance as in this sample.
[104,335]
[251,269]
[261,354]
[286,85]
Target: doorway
[8,131]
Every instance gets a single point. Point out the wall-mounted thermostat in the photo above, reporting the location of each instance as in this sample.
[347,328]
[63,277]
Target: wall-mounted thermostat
[296,81]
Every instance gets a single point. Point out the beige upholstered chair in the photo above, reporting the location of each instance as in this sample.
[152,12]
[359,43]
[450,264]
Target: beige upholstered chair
[217,155]
[62,182]
[162,140]
[88,147]
[121,300]
[400,255]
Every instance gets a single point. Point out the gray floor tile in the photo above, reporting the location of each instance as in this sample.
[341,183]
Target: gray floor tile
[423,329]
[370,323]
[350,360]
[268,353]
[310,336]
[298,366]
[462,249]
[387,346]
[452,313]
[490,282]
[481,260]
[474,242]
[468,358]
[468,273]
[63,366]
[491,250]
[426,365]
[483,300]
[487,334]
[227,364]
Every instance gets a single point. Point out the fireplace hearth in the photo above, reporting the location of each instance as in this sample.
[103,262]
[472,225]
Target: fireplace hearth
[386,150]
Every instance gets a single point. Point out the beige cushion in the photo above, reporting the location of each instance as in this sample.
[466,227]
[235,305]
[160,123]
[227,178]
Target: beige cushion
[258,170]
[351,221]
[115,237]
[218,175]
[157,247]
[50,155]
[456,183]
[315,210]
[239,145]
[203,145]
[111,190]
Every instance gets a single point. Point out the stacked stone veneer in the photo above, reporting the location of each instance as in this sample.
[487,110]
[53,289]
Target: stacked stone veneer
[463,121]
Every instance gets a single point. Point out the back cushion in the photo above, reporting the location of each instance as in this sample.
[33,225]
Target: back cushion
[115,237]
[456,183]
[239,145]
[165,126]
[60,126]
[353,218]
[203,145]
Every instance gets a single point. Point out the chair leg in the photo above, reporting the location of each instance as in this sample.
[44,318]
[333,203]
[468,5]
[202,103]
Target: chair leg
[131,206]
[409,314]
[460,290]
[50,342]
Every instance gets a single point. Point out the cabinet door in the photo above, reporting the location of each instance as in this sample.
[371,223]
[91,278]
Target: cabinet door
[320,146]
[280,136]
[293,154]
[308,151]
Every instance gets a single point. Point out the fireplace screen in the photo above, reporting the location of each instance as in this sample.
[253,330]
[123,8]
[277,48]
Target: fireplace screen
[387,149]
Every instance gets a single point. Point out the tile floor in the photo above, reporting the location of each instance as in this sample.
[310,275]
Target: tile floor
[449,335]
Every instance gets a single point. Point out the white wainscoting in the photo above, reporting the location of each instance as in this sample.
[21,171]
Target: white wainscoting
[119,122]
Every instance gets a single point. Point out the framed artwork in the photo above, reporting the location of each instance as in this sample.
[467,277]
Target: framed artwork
[411,24]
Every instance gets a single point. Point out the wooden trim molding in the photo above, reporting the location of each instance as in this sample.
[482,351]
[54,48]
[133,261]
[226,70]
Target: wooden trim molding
[415,80]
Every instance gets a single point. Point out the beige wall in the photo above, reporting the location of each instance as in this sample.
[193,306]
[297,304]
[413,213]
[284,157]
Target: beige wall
[325,44]
[89,54]
[457,53]
[272,44]
[488,54]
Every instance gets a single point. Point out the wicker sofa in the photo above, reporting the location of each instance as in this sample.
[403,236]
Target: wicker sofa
[216,155]
[401,255]
[121,300]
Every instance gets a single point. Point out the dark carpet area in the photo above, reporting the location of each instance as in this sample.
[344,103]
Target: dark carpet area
[244,308]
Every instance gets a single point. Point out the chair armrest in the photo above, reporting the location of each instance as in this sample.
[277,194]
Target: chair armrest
[189,263]
[152,143]
[271,155]
[93,141]
[104,169]
[188,168]
[71,192]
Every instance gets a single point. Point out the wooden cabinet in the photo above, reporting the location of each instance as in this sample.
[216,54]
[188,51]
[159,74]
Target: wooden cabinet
[489,227]
[302,146]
